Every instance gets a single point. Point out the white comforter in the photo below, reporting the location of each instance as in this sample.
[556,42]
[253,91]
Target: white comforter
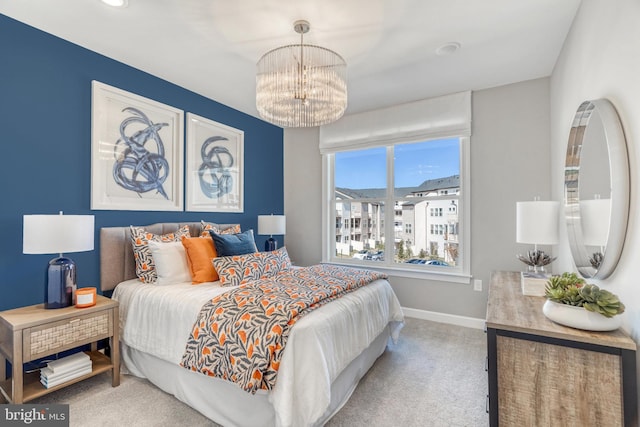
[158,320]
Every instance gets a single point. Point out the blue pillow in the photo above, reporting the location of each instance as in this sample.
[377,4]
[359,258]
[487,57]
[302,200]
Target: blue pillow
[234,244]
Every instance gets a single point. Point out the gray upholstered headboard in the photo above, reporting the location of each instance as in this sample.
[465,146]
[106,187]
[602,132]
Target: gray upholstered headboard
[116,253]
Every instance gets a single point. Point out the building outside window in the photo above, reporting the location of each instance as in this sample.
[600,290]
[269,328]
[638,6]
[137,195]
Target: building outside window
[421,181]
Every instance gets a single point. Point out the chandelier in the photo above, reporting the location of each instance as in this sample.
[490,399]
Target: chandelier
[301,85]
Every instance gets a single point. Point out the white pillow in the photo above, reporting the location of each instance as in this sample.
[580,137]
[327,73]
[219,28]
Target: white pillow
[170,259]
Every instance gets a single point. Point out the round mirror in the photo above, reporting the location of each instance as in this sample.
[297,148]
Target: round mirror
[596,188]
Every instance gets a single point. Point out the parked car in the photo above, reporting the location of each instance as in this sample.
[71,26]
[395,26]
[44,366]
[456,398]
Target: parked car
[361,254]
[437,262]
[427,262]
[375,256]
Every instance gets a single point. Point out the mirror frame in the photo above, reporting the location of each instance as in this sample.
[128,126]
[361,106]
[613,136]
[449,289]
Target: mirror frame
[619,181]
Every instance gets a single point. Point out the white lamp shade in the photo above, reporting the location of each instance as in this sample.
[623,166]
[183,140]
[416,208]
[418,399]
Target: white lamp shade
[537,222]
[272,224]
[594,216]
[51,234]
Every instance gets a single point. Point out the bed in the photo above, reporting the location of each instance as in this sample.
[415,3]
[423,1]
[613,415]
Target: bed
[328,350]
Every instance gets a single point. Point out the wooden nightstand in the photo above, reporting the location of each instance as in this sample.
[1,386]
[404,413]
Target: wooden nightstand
[31,333]
[542,373]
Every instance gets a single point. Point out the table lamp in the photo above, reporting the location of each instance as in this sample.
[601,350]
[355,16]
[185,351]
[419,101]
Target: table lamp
[537,224]
[271,225]
[50,234]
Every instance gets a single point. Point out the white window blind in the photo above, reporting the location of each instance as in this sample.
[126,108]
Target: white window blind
[440,117]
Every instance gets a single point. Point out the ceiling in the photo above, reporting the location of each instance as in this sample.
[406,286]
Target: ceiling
[212,46]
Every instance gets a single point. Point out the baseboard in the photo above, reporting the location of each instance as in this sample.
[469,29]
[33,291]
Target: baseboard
[469,322]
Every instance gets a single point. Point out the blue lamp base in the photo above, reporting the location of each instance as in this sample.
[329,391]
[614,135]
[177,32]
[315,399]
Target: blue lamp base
[271,244]
[61,283]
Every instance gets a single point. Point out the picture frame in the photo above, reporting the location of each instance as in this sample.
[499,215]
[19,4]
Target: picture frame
[214,170]
[137,152]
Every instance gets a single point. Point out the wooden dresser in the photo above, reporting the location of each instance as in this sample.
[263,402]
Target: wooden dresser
[545,374]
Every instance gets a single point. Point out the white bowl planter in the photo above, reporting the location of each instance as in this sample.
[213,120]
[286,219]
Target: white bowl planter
[580,318]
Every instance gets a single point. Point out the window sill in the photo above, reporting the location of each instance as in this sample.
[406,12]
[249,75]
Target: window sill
[452,277]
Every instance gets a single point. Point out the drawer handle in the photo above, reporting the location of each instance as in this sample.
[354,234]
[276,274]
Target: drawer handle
[74,321]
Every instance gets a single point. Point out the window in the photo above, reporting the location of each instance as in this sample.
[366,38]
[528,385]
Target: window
[389,168]
[422,182]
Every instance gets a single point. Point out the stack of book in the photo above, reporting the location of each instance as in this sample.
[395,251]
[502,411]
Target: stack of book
[62,370]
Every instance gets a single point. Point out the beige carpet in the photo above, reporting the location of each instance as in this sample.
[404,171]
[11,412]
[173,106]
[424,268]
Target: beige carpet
[433,376]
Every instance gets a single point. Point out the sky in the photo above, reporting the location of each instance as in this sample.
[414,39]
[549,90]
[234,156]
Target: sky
[414,164]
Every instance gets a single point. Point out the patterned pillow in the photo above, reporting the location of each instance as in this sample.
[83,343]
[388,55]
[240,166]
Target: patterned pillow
[140,238]
[209,226]
[239,269]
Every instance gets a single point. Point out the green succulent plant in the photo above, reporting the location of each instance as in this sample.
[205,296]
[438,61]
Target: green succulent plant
[565,280]
[570,289]
[601,301]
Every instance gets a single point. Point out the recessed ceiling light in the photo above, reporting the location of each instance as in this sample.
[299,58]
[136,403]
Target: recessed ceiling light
[447,48]
[116,3]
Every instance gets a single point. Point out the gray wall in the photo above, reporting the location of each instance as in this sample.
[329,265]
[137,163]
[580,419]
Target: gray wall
[303,195]
[509,162]
[600,59]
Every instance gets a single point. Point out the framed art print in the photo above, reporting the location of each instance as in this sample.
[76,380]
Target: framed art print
[215,157]
[137,149]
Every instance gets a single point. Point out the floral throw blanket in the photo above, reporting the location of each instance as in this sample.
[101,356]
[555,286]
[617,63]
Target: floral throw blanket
[240,335]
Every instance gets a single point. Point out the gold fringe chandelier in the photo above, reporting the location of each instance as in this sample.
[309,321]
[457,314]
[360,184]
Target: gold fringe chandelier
[301,85]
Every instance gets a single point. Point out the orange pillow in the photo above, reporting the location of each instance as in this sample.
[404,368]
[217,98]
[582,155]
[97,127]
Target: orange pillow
[200,252]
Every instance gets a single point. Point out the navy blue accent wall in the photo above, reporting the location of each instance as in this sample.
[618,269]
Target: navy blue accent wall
[45,150]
